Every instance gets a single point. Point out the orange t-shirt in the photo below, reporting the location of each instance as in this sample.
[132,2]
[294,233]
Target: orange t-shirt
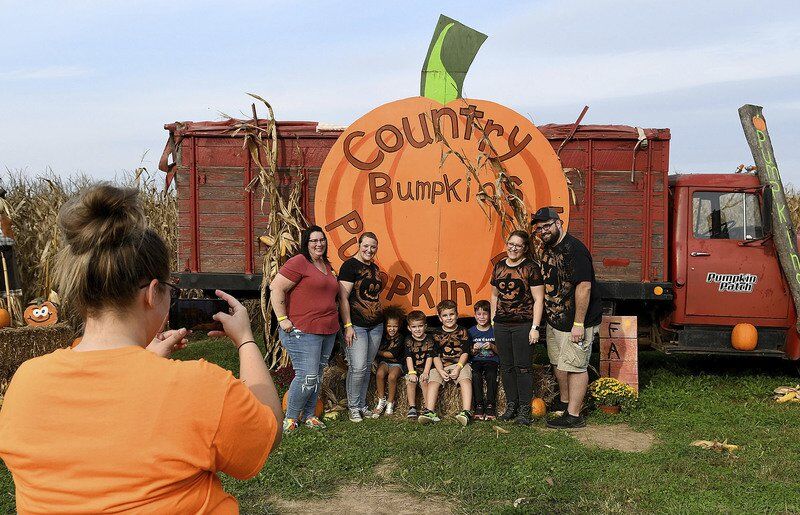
[124,429]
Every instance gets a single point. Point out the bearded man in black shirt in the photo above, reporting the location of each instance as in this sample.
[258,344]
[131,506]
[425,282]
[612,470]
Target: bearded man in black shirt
[572,311]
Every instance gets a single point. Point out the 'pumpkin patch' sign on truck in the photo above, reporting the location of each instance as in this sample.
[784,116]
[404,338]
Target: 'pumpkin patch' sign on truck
[386,174]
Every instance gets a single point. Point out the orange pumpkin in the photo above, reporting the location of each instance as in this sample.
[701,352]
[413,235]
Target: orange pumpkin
[384,175]
[5,318]
[744,337]
[41,313]
[759,123]
[318,410]
[538,407]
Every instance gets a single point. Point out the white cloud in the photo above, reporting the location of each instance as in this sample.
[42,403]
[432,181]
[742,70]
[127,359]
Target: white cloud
[45,73]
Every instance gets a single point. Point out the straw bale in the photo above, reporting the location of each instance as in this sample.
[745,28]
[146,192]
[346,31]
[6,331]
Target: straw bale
[19,344]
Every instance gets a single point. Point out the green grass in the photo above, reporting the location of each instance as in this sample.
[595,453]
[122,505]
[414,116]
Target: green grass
[682,399]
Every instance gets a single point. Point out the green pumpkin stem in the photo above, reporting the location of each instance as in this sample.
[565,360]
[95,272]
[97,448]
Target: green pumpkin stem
[450,54]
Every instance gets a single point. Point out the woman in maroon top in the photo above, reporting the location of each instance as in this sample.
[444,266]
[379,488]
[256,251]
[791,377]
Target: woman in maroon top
[303,295]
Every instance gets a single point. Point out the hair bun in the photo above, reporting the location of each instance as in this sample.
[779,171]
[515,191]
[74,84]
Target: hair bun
[102,216]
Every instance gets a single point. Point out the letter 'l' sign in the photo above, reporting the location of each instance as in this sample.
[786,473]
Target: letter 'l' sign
[385,174]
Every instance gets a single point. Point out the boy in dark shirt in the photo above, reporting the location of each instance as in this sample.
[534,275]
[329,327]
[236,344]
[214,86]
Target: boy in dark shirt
[485,362]
[419,359]
[450,364]
[390,359]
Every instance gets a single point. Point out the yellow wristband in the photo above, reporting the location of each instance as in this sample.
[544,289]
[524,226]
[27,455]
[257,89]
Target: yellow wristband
[579,324]
[348,324]
[412,372]
[281,319]
[460,365]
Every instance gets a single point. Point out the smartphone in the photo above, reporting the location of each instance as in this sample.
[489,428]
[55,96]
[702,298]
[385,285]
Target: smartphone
[196,314]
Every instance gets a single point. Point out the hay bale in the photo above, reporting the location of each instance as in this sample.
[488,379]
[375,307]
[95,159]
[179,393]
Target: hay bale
[20,344]
[334,393]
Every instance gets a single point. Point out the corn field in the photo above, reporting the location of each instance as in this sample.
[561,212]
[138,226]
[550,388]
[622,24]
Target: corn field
[32,204]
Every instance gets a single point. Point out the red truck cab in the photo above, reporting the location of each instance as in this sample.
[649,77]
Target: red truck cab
[724,267]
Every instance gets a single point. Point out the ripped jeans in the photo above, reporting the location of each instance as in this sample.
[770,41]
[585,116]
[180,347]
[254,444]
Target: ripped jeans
[309,354]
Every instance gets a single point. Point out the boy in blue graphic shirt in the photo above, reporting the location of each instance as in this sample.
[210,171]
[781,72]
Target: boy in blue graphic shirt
[485,362]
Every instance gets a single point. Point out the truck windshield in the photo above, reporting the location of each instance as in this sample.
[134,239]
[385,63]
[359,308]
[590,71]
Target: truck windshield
[728,216]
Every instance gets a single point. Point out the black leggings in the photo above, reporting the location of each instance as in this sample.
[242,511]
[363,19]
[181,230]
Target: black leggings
[516,359]
[484,370]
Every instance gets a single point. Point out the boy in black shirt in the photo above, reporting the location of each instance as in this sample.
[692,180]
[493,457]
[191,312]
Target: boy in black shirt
[450,362]
[419,359]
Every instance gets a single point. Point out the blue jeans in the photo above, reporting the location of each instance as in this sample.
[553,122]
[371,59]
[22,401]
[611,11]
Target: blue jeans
[360,356]
[309,354]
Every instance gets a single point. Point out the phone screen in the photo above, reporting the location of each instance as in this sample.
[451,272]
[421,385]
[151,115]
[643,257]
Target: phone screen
[196,314]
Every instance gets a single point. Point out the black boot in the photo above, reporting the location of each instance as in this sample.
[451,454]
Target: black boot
[524,417]
[511,411]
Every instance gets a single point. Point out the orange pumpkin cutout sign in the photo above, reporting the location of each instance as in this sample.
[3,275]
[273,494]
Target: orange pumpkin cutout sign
[40,313]
[386,174]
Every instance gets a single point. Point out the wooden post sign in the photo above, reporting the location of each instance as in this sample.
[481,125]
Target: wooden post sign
[757,135]
[386,174]
[619,349]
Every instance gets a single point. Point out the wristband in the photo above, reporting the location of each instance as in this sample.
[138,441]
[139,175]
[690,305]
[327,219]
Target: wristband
[412,372]
[579,324]
[460,365]
[281,319]
[348,324]
[244,343]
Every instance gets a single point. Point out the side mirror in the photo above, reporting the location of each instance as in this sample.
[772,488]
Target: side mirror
[766,210]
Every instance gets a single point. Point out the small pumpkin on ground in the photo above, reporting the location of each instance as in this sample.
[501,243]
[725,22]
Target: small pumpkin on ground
[318,410]
[538,407]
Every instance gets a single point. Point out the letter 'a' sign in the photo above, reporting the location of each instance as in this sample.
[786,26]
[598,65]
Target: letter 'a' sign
[385,174]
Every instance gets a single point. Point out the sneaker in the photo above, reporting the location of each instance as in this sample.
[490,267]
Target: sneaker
[490,413]
[464,417]
[557,407]
[380,406]
[315,423]
[524,415]
[567,421]
[412,412]
[428,417]
[510,412]
[366,413]
[479,412]
[355,415]
[389,408]
[289,426]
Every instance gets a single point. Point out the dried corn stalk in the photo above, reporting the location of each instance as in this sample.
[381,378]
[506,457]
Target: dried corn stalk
[286,220]
[33,203]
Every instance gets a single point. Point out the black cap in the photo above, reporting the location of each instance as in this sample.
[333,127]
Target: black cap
[544,214]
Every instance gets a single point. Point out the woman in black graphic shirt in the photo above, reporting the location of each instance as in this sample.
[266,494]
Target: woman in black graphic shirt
[517,303]
[360,285]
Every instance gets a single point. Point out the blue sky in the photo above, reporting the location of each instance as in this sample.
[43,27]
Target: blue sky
[88,85]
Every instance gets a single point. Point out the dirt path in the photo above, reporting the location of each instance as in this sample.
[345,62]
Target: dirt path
[618,436]
[384,498]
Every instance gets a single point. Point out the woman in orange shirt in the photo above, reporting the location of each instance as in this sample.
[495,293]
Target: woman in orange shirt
[111,425]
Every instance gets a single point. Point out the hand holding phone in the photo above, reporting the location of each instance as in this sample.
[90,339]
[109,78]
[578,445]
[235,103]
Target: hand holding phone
[196,314]
[235,320]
